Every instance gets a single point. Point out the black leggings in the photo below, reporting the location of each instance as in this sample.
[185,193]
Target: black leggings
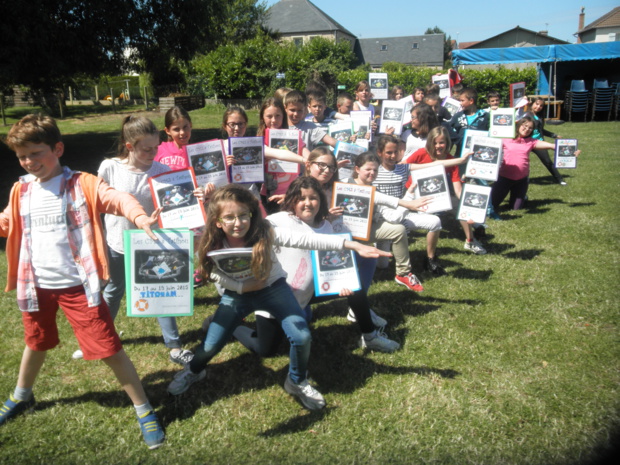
[543,156]
[268,335]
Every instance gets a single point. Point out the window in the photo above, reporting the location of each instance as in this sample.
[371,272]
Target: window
[384,48]
[415,46]
[298,41]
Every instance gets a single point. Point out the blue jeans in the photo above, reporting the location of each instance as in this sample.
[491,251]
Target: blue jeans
[115,290]
[277,299]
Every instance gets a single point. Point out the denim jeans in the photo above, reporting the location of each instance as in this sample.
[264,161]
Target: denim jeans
[114,291]
[277,299]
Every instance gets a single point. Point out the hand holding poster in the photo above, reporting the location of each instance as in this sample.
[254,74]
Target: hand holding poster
[467,138]
[283,139]
[565,156]
[392,113]
[235,262]
[443,81]
[486,158]
[378,85]
[357,203]
[432,183]
[174,192]
[342,130]
[474,203]
[209,162]
[248,153]
[334,270]
[159,274]
[344,151]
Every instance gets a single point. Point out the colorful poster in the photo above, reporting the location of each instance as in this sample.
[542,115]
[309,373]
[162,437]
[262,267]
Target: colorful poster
[486,159]
[565,153]
[159,274]
[357,203]
[283,139]
[209,162]
[502,123]
[174,192]
[378,85]
[248,153]
[235,263]
[349,152]
[334,270]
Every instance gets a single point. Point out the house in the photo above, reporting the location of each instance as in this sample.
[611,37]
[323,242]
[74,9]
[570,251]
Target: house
[423,50]
[515,37]
[604,29]
[301,20]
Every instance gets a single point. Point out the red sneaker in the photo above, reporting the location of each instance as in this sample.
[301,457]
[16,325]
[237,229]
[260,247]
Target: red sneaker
[411,281]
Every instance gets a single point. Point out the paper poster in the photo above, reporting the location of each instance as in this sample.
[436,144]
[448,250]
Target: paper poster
[407,104]
[345,151]
[283,139]
[342,130]
[235,263]
[392,113]
[486,158]
[358,205]
[443,81]
[565,153]
[432,183]
[334,270]
[209,162]
[174,192]
[518,98]
[474,202]
[159,274]
[249,159]
[467,137]
[502,123]
[452,105]
[362,124]
[378,85]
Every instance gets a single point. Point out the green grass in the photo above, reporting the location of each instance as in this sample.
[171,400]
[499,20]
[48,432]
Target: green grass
[510,359]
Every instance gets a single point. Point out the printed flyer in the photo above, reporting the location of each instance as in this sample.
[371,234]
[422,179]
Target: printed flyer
[474,202]
[249,159]
[432,183]
[174,192]
[358,204]
[486,158]
[209,162]
[378,85]
[334,270]
[283,139]
[565,153]
[159,274]
[502,123]
[344,151]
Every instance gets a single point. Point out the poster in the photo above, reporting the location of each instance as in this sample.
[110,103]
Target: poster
[452,105]
[209,162]
[432,183]
[342,130]
[565,153]
[392,113]
[248,153]
[174,192]
[233,262]
[334,270]
[357,203]
[159,274]
[502,123]
[362,124]
[518,98]
[378,85]
[467,137]
[345,151]
[443,81]
[283,139]
[474,202]
[486,159]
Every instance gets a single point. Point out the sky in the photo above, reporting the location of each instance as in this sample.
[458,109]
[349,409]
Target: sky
[465,21]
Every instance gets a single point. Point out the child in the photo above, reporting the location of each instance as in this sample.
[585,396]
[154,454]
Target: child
[418,95]
[434,102]
[312,135]
[515,168]
[234,122]
[129,172]
[468,118]
[494,100]
[423,119]
[317,109]
[362,97]
[57,257]
[538,104]
[397,93]
[236,222]
[173,153]
[344,104]
[438,148]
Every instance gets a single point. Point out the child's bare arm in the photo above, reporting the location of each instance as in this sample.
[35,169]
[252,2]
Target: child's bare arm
[282,155]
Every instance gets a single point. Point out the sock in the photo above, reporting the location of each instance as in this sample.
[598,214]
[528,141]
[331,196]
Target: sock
[22,393]
[143,409]
[370,336]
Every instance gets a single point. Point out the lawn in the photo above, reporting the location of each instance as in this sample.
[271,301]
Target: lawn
[512,358]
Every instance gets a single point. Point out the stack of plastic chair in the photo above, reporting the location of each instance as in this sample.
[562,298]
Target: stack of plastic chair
[616,99]
[577,99]
[602,97]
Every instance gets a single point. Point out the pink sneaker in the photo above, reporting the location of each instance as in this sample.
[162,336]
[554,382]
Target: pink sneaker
[411,281]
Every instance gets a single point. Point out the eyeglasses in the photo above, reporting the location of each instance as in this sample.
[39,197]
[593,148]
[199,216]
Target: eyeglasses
[324,166]
[230,219]
[236,125]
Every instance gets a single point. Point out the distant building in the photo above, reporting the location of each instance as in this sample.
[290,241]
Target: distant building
[604,29]
[300,20]
[515,37]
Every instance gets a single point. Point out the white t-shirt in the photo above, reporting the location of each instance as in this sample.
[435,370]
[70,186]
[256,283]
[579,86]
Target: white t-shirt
[51,257]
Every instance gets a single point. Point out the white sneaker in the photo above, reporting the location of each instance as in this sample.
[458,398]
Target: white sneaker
[183,380]
[380,343]
[475,247]
[182,357]
[77,355]
[376,319]
[307,395]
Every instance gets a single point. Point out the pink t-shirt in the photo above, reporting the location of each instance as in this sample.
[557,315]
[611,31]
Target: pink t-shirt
[170,155]
[516,157]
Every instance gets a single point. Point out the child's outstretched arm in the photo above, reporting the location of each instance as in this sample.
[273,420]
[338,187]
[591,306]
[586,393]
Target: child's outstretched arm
[446,163]
[282,155]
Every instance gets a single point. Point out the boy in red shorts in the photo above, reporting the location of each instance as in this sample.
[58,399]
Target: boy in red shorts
[57,258]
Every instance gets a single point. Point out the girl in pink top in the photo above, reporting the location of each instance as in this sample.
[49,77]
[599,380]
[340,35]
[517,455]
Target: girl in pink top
[173,152]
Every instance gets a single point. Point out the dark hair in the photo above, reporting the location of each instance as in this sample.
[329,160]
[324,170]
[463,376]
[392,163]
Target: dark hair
[394,89]
[270,102]
[317,96]
[34,128]
[426,117]
[293,195]
[432,89]
[134,129]
[527,118]
[384,140]
[174,114]
[493,94]
[366,157]
[229,111]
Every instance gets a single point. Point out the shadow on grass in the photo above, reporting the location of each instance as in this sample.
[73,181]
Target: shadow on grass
[525,254]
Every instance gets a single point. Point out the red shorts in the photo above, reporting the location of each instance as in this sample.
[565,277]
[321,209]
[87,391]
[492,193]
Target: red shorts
[93,326]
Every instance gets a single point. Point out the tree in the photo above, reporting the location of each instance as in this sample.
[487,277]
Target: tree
[447,45]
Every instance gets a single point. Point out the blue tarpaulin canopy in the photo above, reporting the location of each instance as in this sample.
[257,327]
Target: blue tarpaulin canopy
[551,54]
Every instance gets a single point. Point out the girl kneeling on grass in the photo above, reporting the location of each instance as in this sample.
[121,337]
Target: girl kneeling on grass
[235,221]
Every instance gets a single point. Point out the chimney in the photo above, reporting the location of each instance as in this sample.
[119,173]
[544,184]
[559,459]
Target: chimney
[582,20]
[543,33]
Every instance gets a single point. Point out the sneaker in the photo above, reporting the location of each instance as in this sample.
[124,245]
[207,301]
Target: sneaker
[380,343]
[77,355]
[197,279]
[182,357]
[305,393]
[183,380]
[376,319]
[562,183]
[14,407]
[152,431]
[430,264]
[475,247]
[411,281]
